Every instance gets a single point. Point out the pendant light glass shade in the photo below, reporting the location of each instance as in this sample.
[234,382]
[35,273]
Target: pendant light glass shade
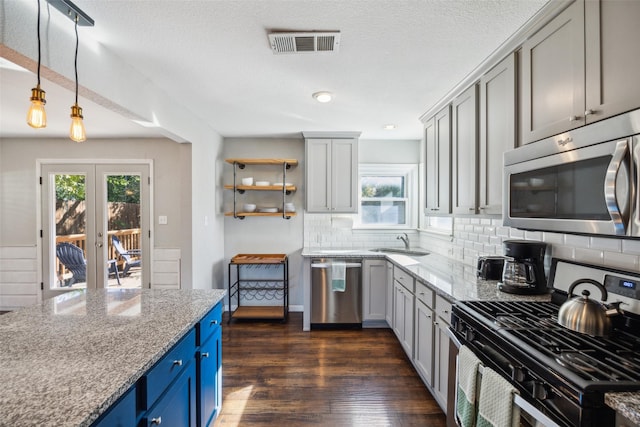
[37,116]
[76,132]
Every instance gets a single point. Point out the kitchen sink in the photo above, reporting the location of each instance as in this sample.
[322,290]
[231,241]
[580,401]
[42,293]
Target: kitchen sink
[415,252]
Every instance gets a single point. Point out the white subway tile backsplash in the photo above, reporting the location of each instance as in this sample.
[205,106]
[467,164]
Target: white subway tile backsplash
[624,261]
[564,252]
[631,247]
[611,245]
[503,231]
[514,233]
[574,240]
[589,255]
[553,238]
[533,235]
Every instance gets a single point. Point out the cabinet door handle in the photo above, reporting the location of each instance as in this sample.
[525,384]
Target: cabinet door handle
[472,209]
[574,118]
[589,112]
[157,421]
[205,355]
[213,322]
[178,362]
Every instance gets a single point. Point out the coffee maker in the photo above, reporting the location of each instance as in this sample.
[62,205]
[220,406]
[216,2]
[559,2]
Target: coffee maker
[523,271]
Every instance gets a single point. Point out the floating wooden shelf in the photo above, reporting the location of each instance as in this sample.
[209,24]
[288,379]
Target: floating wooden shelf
[292,162]
[277,214]
[261,187]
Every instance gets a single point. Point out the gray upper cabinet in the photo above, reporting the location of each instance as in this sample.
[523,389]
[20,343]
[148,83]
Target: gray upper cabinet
[464,159]
[612,57]
[581,67]
[497,131]
[553,76]
[331,171]
[438,162]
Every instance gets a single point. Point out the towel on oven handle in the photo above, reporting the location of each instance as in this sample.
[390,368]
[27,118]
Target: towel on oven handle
[468,365]
[495,406]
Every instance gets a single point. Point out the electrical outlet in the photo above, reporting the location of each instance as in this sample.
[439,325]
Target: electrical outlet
[162,220]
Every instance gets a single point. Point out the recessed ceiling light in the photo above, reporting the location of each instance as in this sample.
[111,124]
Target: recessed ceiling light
[389,127]
[323,97]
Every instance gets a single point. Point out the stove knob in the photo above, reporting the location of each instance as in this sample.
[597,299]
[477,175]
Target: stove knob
[518,373]
[540,391]
[469,335]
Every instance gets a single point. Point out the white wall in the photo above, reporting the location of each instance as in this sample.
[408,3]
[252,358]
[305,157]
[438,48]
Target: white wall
[267,234]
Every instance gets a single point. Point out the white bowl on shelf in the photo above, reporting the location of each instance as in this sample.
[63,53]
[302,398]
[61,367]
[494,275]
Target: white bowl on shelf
[248,207]
[268,210]
[536,182]
[282,184]
[247,181]
[289,207]
[262,183]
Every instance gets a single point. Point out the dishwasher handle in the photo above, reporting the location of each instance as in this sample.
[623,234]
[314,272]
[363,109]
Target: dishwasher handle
[328,265]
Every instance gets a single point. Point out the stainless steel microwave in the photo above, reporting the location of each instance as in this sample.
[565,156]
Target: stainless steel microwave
[584,181]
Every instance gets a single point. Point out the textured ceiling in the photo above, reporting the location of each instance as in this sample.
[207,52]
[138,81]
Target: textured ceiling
[397,58]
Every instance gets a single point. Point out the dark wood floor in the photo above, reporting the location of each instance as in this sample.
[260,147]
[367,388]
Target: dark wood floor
[276,374]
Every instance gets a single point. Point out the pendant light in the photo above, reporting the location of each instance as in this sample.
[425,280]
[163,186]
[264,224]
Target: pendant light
[37,116]
[77,132]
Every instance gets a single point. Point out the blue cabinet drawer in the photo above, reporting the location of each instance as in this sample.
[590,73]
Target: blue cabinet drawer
[177,406]
[168,368]
[122,413]
[209,324]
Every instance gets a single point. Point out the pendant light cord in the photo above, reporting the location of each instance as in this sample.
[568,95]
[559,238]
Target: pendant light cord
[75,62]
[38,43]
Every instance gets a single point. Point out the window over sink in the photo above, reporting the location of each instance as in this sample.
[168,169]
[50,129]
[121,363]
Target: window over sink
[387,196]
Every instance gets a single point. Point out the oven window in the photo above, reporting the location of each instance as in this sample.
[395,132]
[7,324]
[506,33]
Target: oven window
[567,191]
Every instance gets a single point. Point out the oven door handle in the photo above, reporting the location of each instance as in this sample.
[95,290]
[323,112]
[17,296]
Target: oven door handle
[610,190]
[533,411]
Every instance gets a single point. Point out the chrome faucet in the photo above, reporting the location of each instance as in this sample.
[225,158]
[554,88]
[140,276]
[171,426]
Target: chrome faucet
[405,239]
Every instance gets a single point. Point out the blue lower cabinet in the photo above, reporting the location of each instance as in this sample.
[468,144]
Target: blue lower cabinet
[209,373]
[177,406]
[122,413]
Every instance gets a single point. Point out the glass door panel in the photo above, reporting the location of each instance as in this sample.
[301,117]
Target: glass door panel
[123,216]
[68,214]
[124,230]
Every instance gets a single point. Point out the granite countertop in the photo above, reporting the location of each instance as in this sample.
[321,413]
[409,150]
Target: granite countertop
[456,281]
[450,279]
[66,361]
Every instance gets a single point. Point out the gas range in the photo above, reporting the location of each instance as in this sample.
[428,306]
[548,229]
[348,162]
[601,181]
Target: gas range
[562,373]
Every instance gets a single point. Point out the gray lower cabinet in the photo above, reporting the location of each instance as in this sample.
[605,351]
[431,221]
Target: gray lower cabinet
[441,350]
[423,339]
[374,291]
[404,300]
[389,293]
[420,321]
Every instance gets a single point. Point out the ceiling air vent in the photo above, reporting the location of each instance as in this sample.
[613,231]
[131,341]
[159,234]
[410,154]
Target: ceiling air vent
[305,42]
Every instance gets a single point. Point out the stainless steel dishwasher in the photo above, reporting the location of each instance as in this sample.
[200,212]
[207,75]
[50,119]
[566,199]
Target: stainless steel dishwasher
[336,293]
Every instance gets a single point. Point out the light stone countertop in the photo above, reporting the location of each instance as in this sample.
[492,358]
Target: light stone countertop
[450,279]
[66,361]
[456,281]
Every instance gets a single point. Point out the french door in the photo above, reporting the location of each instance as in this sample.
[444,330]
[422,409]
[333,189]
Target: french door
[95,226]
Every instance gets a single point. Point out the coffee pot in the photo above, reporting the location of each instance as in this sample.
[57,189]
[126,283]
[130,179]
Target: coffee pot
[490,267]
[523,271]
